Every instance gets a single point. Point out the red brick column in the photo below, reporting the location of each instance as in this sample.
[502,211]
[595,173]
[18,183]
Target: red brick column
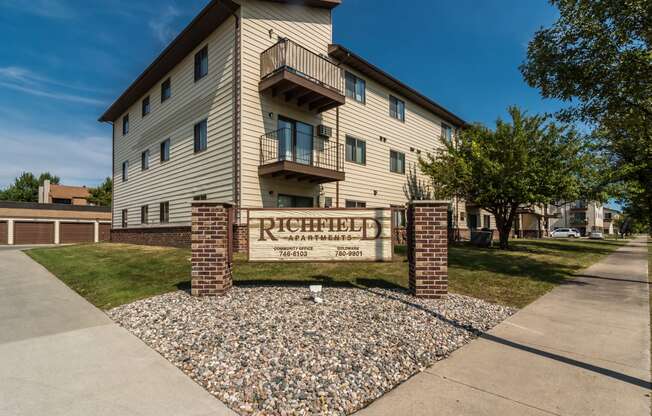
[211,260]
[427,238]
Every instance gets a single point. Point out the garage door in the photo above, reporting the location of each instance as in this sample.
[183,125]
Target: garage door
[105,232]
[70,232]
[34,233]
[3,232]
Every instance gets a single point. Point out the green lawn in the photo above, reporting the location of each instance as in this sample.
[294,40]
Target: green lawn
[109,275]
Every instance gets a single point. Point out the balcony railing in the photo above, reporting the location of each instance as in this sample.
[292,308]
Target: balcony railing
[578,221]
[293,57]
[293,146]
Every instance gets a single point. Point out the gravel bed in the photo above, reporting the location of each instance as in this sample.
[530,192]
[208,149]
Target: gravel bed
[273,351]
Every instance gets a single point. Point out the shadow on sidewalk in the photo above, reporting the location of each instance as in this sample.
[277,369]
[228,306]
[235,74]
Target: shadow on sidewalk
[566,360]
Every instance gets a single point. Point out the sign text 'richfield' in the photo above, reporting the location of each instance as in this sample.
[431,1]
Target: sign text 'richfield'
[370,228]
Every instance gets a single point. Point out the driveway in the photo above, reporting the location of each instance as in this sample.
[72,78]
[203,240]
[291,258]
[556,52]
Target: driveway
[59,355]
[583,349]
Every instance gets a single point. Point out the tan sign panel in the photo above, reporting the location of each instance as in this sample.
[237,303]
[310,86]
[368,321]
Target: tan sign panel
[320,234]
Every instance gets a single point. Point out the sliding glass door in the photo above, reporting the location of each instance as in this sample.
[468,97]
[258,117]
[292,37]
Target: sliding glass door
[295,141]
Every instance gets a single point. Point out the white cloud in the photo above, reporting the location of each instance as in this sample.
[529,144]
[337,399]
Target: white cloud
[51,9]
[161,25]
[26,81]
[77,160]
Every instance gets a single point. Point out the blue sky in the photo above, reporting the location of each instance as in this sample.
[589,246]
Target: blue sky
[62,62]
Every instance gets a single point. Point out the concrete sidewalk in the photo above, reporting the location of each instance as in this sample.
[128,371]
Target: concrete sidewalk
[59,355]
[583,349]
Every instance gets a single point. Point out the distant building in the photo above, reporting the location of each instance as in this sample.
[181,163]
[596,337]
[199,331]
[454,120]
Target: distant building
[585,216]
[62,194]
[610,217]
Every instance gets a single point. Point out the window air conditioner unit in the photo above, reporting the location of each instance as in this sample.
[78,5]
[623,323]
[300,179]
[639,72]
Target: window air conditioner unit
[324,131]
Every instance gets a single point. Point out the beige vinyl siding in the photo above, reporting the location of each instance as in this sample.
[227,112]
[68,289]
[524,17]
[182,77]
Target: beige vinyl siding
[186,174]
[421,131]
[307,26]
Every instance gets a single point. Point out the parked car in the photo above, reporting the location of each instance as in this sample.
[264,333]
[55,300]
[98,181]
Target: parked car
[565,233]
[596,235]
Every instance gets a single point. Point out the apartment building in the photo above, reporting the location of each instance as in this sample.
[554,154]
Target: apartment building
[610,221]
[585,216]
[253,103]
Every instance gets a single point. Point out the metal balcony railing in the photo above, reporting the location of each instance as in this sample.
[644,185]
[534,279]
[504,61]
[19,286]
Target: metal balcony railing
[289,145]
[291,56]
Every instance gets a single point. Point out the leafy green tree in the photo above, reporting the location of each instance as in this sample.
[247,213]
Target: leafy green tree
[101,195]
[597,57]
[527,161]
[415,189]
[25,187]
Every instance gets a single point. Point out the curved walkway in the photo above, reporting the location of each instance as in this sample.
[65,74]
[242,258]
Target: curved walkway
[582,349]
[59,355]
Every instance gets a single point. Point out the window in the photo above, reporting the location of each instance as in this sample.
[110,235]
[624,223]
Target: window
[396,162]
[462,216]
[396,108]
[125,171]
[145,106]
[125,124]
[355,88]
[165,150]
[398,216]
[166,90]
[124,218]
[164,212]
[292,201]
[486,222]
[201,197]
[144,160]
[201,63]
[356,150]
[355,204]
[144,214]
[328,202]
[446,132]
[201,133]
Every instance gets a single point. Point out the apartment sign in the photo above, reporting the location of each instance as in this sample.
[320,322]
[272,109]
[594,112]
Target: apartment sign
[320,235]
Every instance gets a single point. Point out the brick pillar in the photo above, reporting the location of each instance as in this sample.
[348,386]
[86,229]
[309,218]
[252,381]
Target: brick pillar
[211,260]
[427,239]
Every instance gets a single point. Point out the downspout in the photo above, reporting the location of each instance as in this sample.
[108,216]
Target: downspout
[112,171]
[236,117]
[337,140]
[337,144]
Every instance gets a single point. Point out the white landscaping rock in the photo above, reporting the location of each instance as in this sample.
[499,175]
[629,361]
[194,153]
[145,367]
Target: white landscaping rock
[272,350]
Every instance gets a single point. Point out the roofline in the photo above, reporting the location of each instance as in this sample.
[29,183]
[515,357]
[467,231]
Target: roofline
[56,207]
[326,4]
[346,56]
[210,18]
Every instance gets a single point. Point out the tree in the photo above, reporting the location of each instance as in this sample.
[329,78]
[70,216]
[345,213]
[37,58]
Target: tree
[598,58]
[25,187]
[416,189]
[527,161]
[102,194]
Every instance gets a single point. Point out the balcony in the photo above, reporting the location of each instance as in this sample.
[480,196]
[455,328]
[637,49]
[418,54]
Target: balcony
[296,74]
[579,206]
[289,154]
[578,221]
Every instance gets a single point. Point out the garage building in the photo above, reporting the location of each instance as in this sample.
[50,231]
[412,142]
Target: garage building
[34,223]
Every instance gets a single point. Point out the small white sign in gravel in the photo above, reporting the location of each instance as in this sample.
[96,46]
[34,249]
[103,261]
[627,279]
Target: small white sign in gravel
[274,351]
